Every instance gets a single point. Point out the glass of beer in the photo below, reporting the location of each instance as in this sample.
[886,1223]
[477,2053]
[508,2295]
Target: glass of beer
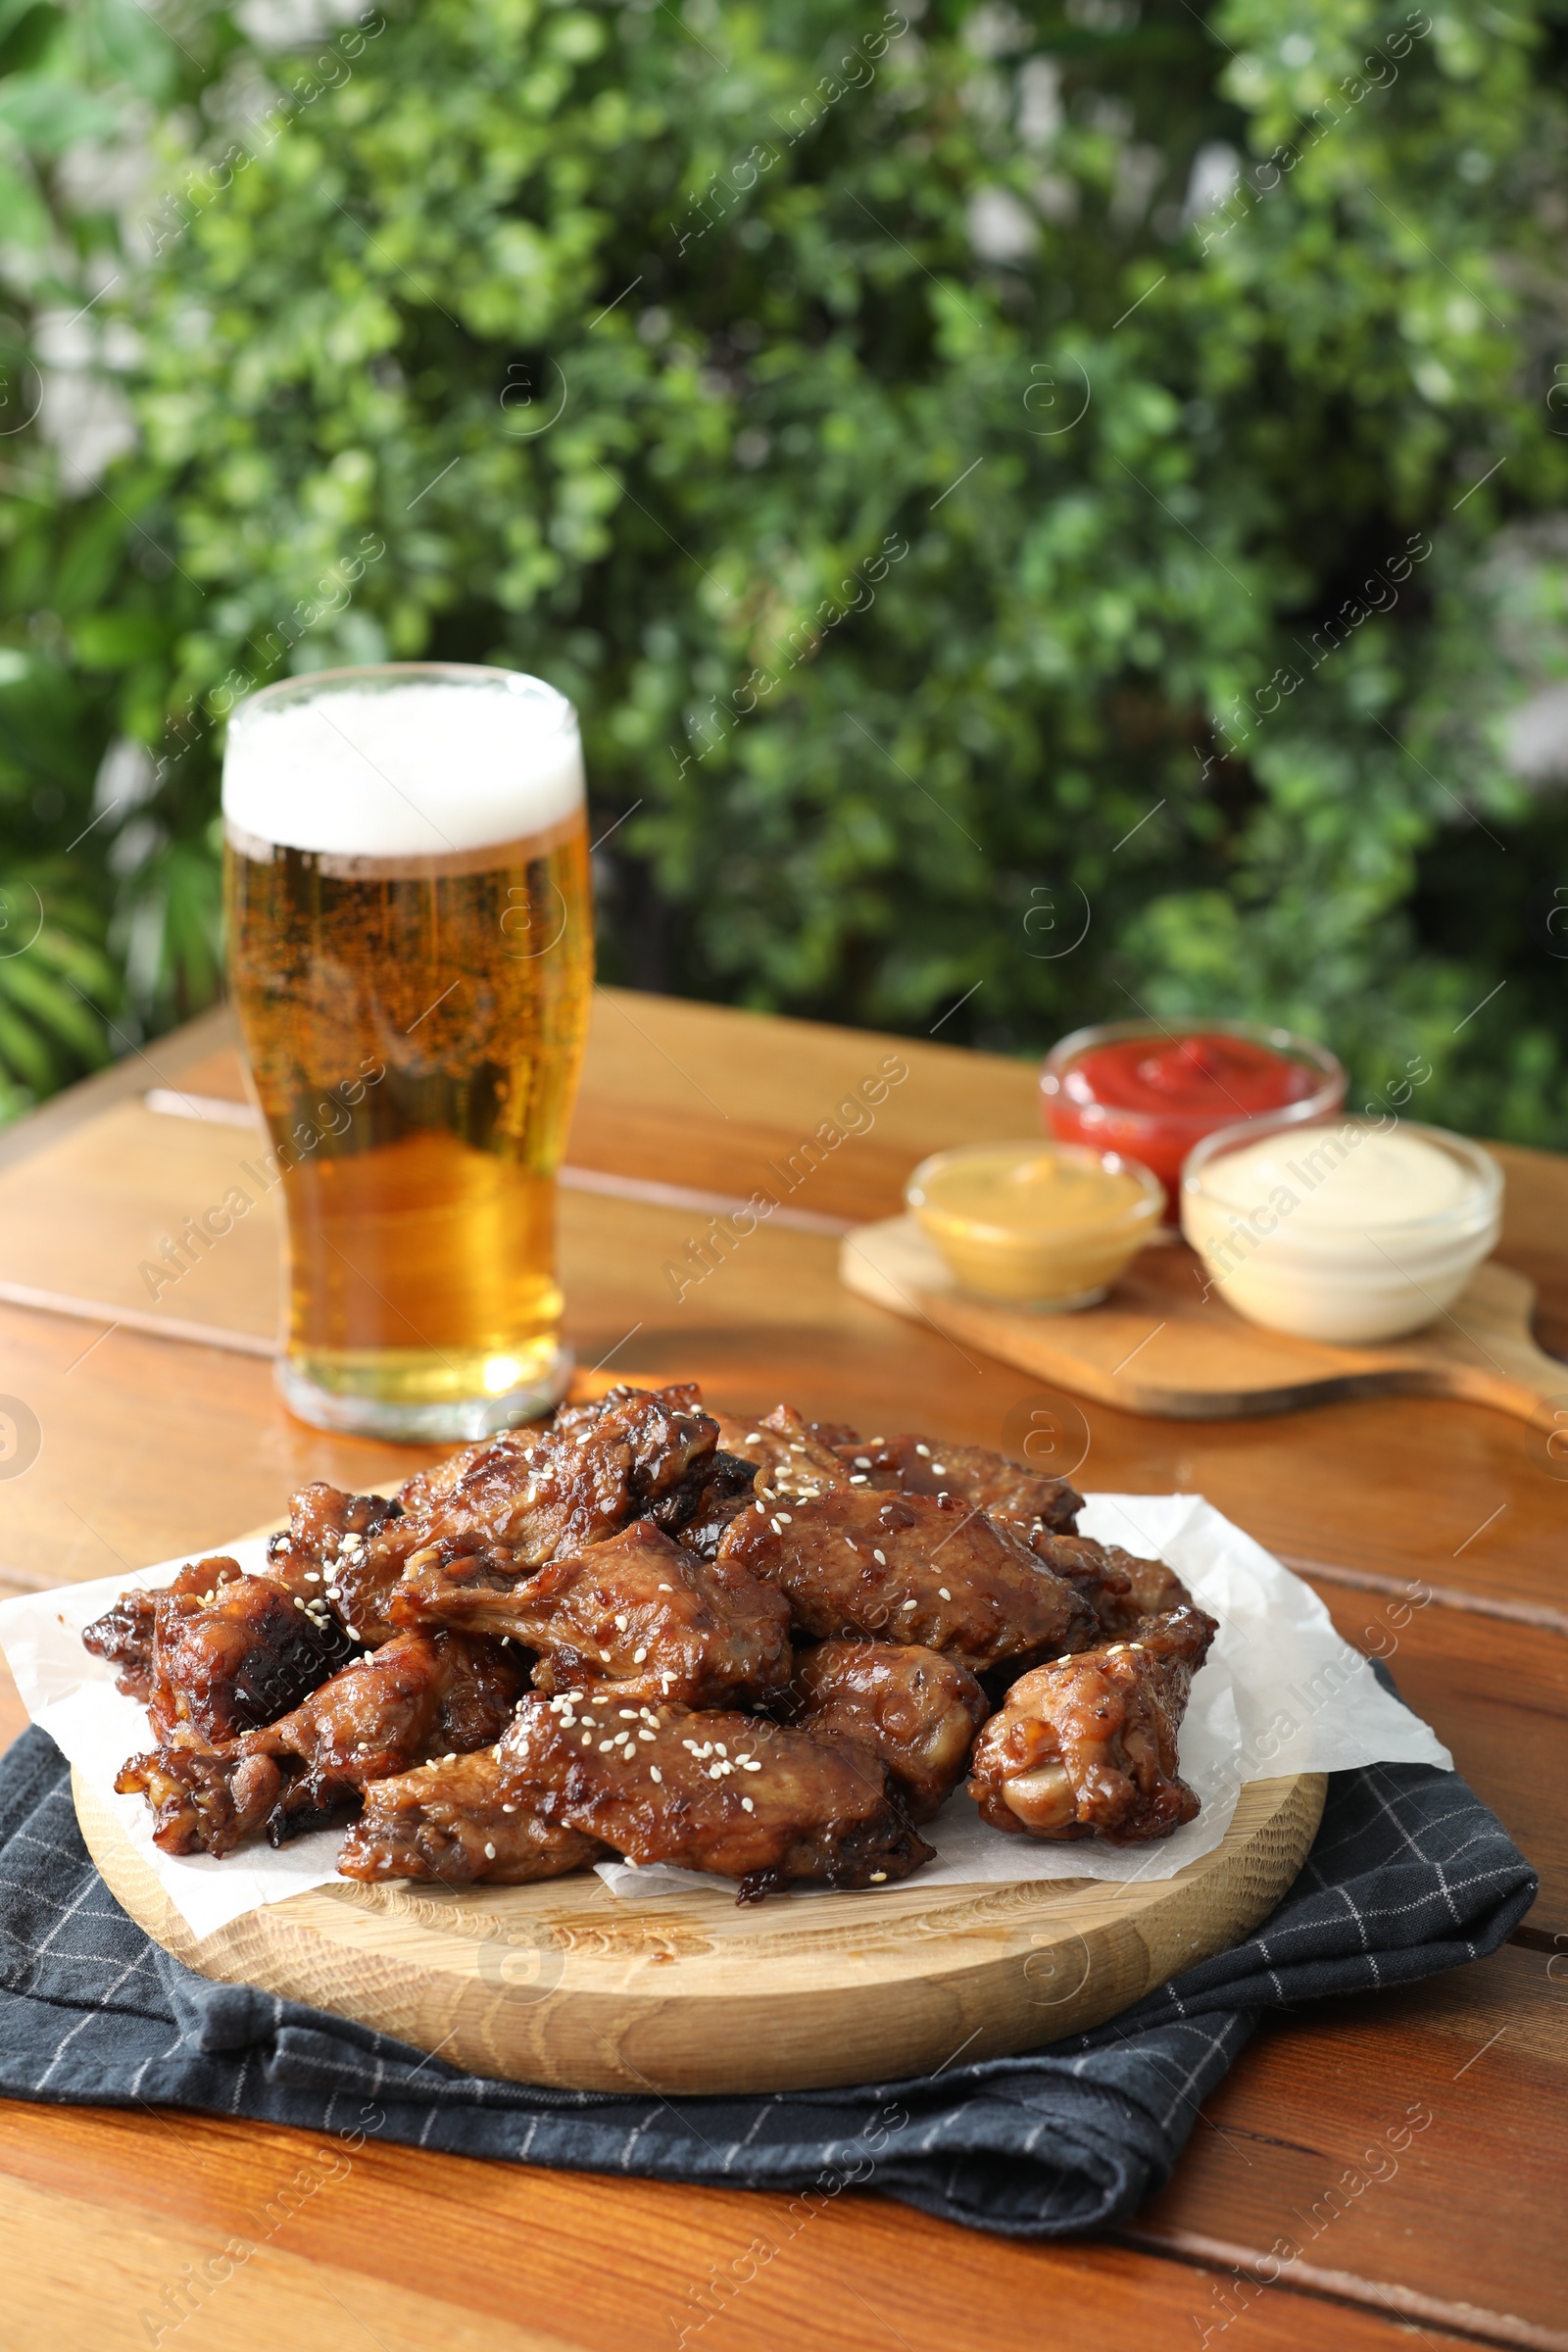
[410,952]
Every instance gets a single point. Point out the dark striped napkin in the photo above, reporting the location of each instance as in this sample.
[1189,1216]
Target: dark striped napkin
[1409,1875]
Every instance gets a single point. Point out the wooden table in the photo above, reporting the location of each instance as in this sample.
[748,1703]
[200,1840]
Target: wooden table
[1435,1532]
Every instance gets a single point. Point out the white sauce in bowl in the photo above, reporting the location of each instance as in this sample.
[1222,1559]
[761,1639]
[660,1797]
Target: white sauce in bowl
[1338,1184]
[1349,1233]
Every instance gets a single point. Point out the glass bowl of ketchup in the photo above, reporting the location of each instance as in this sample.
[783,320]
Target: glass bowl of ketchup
[1151,1093]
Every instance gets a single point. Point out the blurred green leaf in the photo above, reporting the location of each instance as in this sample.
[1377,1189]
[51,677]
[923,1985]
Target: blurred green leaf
[1054,458]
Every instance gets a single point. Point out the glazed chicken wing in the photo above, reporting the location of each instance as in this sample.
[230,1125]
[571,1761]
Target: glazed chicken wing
[418,1695]
[124,1634]
[451,1822]
[715,1791]
[538,1494]
[236,1656]
[202,1801]
[912,1707]
[1002,1489]
[792,1464]
[908,1568]
[730,1485]
[325,1553]
[421,1694]
[639,1611]
[1087,1745]
[1123,1590]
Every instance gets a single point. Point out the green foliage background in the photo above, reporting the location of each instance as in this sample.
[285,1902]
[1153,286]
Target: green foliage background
[925,509]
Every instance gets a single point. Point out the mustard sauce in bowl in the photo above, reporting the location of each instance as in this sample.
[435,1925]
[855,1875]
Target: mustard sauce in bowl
[1043,1225]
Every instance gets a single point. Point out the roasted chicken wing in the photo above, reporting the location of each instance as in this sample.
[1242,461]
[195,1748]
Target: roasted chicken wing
[908,1568]
[536,1496]
[715,1792]
[418,1695]
[1002,1489]
[1087,1745]
[730,1485]
[912,1707]
[639,1611]
[203,1801]
[791,1463]
[451,1822]
[124,1634]
[238,1656]
[324,1553]
[421,1694]
[1123,1590]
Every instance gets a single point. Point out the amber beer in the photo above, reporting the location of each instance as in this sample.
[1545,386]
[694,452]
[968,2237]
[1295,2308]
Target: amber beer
[410,947]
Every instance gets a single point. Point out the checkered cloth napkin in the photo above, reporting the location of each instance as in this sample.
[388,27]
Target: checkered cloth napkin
[1409,1875]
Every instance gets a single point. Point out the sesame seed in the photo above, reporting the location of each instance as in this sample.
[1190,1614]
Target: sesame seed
[784,1515]
[621,1620]
[587,1739]
[880,1557]
[298,1603]
[754,1436]
[862,1461]
[747,1805]
[489,1851]
[716,1772]
[667,1587]
[645,1734]
[857,1480]
[945,1593]
[774,1525]
[654,1774]
[627,1714]
[924,1451]
[638,1655]
[508,1808]
[313,1576]
[877,1876]
[748,1766]
[910,1604]
[333,1593]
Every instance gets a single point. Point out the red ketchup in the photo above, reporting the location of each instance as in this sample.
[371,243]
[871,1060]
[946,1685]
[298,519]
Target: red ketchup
[1153,1094]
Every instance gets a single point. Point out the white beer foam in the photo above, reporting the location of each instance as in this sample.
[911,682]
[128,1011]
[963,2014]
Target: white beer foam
[429,765]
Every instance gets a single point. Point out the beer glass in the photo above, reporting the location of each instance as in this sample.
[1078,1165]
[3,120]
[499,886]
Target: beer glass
[410,952]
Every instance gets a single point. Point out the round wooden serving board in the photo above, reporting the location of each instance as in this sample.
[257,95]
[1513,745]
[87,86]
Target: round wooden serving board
[568,1984]
[1157,1344]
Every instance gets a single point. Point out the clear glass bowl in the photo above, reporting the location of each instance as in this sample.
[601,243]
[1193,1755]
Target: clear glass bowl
[1346,1281]
[1028,1262]
[1161,1139]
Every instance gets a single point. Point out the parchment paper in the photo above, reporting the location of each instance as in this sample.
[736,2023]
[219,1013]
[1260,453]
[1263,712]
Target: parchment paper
[1281,1693]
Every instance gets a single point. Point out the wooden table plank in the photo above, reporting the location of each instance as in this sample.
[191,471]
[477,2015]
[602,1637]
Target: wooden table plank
[604,2265]
[1498,1696]
[1463,2224]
